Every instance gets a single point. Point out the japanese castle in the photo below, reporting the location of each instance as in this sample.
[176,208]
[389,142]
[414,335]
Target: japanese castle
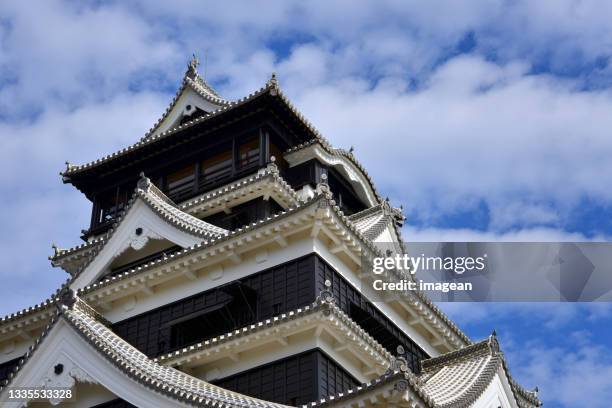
[222,268]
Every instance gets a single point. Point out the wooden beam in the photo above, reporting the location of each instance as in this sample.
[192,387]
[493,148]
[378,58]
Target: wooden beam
[281,241]
[316,228]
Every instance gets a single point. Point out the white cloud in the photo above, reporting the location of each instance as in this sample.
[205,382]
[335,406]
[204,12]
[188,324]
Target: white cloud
[577,376]
[414,234]
[530,147]
[38,209]
[69,54]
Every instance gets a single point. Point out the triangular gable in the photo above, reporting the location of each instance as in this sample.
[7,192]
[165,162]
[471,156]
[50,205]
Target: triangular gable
[150,216]
[193,98]
[78,348]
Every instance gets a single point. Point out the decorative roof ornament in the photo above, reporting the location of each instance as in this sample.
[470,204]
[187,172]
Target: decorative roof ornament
[273,84]
[272,167]
[144,183]
[493,342]
[322,185]
[69,167]
[67,297]
[351,149]
[192,67]
[326,294]
[399,363]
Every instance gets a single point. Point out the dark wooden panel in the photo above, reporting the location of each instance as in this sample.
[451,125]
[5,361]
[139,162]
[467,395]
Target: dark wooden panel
[332,379]
[275,290]
[244,214]
[299,379]
[6,368]
[351,301]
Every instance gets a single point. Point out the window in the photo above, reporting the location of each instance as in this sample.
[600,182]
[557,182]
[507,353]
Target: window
[217,166]
[111,204]
[180,183]
[248,153]
[207,322]
[181,177]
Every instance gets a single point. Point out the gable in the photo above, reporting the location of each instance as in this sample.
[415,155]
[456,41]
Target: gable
[185,106]
[64,359]
[137,228]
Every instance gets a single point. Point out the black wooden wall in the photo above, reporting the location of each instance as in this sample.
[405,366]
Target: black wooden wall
[279,289]
[296,380]
[6,368]
[257,297]
[362,311]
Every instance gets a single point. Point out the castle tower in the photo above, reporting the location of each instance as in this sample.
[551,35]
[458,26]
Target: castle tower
[222,267]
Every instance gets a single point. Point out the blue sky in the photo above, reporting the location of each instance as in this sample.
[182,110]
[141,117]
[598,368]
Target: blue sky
[487,120]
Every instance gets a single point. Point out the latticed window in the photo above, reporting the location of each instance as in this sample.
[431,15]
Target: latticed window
[180,183]
[248,153]
[217,166]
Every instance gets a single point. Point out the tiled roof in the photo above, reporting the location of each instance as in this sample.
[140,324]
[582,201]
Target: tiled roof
[193,80]
[347,154]
[133,363]
[45,304]
[321,304]
[166,209]
[166,380]
[323,197]
[372,222]
[458,379]
[198,247]
[453,380]
[169,211]
[399,379]
[270,172]
[422,304]
[270,88]
[81,250]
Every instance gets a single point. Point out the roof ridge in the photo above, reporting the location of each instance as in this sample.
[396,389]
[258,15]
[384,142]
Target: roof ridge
[271,170]
[158,203]
[471,350]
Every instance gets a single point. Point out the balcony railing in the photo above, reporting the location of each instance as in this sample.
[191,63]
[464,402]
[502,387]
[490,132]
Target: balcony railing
[207,181]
